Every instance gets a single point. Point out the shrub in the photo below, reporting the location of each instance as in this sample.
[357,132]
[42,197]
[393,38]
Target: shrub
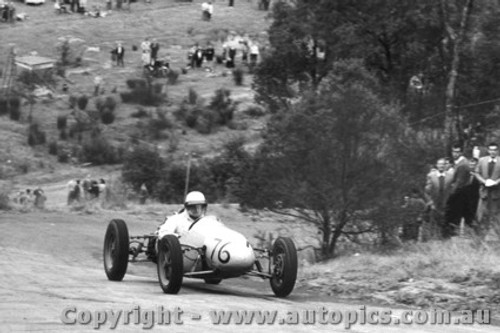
[7,105]
[63,135]
[105,103]
[4,201]
[205,122]
[172,77]
[63,156]
[97,150]
[36,136]
[222,104]
[192,97]
[53,148]
[72,100]
[143,165]
[136,84]
[82,102]
[61,122]
[238,76]
[15,113]
[107,116]
[254,111]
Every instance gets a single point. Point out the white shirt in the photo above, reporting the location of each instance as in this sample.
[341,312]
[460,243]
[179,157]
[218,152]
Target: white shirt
[175,224]
[254,49]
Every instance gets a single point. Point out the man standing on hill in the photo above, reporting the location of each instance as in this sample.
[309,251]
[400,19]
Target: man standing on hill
[488,174]
[456,207]
[437,191]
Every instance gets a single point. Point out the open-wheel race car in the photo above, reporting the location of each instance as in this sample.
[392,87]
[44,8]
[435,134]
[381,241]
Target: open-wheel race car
[208,250]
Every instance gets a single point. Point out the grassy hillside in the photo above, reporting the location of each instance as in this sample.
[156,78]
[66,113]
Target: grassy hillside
[176,26]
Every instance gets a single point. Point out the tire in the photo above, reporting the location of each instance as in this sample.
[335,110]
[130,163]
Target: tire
[170,264]
[212,280]
[284,273]
[116,248]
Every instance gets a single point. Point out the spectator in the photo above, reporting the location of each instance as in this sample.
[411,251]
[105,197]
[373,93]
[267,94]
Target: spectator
[437,190]
[143,194]
[231,56]
[39,198]
[94,189]
[146,52]
[206,10]
[86,186]
[488,174]
[414,211]
[456,208]
[254,54]
[120,53]
[472,192]
[208,54]
[155,47]
[97,85]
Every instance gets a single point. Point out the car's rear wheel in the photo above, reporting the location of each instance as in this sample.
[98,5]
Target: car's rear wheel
[116,246]
[170,264]
[284,273]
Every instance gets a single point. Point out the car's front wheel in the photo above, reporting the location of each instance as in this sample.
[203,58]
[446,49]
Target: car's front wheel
[170,264]
[116,246]
[284,273]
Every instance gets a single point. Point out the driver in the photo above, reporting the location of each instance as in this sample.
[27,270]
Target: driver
[195,207]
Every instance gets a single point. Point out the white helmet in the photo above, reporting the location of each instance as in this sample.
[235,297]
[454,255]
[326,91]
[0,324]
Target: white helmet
[195,204]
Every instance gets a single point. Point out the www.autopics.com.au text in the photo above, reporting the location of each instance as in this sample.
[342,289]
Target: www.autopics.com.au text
[322,316]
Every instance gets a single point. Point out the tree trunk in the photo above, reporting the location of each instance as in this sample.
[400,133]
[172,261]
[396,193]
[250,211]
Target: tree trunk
[451,122]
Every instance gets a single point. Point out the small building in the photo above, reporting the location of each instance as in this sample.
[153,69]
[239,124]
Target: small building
[34,63]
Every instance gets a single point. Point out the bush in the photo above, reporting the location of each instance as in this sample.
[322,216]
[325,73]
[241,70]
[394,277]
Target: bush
[61,122]
[172,77]
[254,111]
[35,135]
[63,156]
[15,104]
[133,84]
[205,122]
[63,135]
[53,148]
[238,76]
[143,96]
[15,113]
[143,165]
[192,97]
[107,116]
[72,100]
[222,104]
[105,103]
[82,102]
[97,150]
[4,201]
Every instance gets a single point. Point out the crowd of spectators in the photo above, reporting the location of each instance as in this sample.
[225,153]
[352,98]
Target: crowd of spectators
[461,192]
[85,190]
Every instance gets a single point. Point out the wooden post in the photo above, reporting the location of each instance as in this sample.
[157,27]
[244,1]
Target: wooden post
[188,170]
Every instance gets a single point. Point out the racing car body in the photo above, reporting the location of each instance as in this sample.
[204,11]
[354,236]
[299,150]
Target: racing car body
[207,250]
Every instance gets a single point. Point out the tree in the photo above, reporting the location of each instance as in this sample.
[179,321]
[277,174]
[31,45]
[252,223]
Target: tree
[143,165]
[327,159]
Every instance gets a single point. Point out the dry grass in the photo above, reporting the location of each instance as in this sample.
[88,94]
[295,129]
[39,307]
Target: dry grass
[445,260]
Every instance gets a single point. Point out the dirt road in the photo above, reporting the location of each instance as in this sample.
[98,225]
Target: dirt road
[51,270]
